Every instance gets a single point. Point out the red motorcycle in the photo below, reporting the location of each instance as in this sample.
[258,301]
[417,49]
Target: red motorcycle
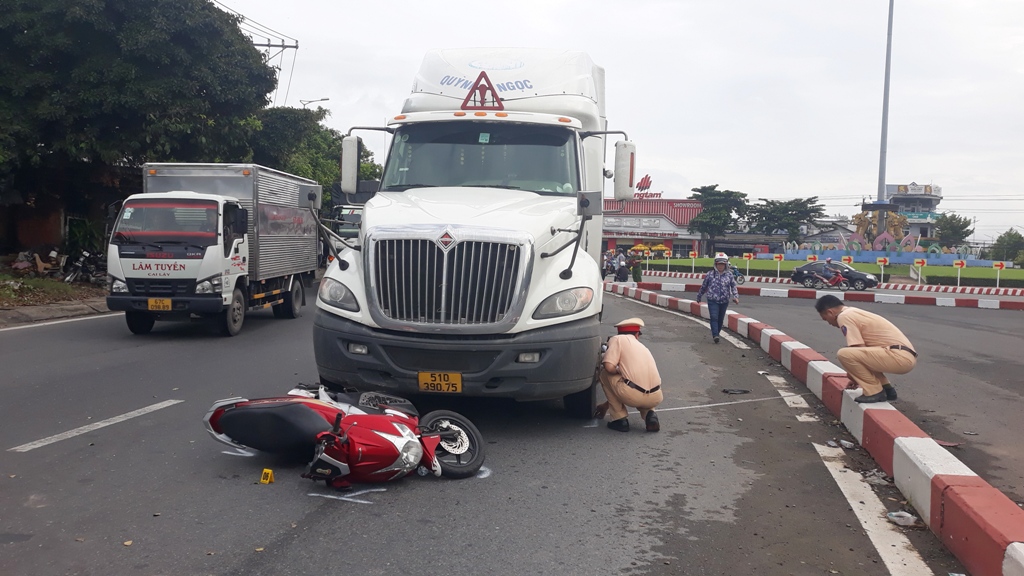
[836,281]
[353,437]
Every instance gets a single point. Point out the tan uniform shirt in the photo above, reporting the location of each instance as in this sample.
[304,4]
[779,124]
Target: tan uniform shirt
[863,328]
[634,361]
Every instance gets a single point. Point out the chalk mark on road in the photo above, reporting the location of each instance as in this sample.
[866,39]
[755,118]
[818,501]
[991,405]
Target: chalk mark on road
[350,497]
[94,426]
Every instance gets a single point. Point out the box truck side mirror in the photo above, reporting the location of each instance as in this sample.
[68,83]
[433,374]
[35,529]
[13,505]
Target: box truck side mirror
[625,170]
[241,222]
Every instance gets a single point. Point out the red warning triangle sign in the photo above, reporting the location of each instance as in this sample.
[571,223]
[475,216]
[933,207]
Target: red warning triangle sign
[482,96]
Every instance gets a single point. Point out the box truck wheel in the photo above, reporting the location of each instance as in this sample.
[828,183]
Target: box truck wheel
[139,322]
[292,305]
[234,316]
[581,404]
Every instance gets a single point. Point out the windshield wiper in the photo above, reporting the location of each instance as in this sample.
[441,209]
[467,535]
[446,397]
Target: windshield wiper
[183,243]
[126,239]
[404,187]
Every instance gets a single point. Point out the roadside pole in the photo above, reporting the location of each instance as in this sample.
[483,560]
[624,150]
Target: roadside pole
[778,265]
[959,264]
[693,262]
[920,263]
[999,268]
[881,264]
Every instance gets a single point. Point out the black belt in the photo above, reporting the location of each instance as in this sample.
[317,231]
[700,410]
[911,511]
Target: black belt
[639,389]
[902,347]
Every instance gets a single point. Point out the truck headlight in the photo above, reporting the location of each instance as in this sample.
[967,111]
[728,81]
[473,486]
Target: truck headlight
[212,285]
[338,295]
[564,303]
[116,285]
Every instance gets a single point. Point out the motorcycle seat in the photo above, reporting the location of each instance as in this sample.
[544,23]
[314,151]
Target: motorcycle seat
[287,427]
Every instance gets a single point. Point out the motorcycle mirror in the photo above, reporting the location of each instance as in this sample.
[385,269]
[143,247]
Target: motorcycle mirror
[337,424]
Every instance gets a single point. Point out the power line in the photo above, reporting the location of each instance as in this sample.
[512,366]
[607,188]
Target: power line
[249,20]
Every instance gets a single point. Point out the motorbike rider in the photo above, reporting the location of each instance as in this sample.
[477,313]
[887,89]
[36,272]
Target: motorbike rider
[827,272]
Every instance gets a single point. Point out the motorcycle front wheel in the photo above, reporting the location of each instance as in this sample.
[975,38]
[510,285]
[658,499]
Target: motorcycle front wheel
[844,286]
[741,279]
[461,451]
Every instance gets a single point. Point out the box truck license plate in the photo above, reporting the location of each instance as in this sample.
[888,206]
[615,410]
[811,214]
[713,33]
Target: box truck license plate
[440,382]
[160,304]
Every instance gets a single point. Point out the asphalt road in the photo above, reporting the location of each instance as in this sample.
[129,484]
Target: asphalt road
[733,484]
[968,385]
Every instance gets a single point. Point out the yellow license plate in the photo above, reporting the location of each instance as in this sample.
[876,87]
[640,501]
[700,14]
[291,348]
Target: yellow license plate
[161,304]
[450,382]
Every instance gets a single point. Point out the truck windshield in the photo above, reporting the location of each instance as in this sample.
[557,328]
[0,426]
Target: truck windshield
[160,221]
[531,157]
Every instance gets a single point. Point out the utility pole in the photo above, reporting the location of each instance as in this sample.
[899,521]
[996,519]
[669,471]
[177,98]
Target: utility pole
[885,122]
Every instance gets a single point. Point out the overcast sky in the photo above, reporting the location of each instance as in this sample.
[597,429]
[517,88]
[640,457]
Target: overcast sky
[776,99]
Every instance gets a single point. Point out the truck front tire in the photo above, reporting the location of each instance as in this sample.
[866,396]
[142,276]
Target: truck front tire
[139,322]
[234,316]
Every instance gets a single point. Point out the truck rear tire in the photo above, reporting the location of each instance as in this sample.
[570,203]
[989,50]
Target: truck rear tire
[139,322]
[581,405]
[292,305]
[234,316]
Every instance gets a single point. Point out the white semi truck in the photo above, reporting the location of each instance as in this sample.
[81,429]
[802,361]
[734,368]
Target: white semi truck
[476,270]
[212,241]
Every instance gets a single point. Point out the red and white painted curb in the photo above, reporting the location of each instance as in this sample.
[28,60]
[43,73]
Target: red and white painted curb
[883,286]
[979,524]
[851,296]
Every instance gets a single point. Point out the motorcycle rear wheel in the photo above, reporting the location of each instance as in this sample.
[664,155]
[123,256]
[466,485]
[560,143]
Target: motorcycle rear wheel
[741,279]
[844,286]
[460,458]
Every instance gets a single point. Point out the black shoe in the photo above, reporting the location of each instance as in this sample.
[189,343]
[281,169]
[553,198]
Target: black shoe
[890,392]
[716,339]
[880,397]
[620,425]
[652,422]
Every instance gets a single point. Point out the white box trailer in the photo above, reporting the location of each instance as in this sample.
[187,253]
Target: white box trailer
[477,270]
[213,241]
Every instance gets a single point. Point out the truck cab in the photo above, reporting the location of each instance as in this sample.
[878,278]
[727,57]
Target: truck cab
[476,270]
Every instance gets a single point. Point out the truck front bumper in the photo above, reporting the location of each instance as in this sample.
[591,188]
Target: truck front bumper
[179,305]
[488,364]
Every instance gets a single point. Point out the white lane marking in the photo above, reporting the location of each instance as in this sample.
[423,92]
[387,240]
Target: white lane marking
[350,497]
[792,399]
[94,426]
[660,410]
[484,472]
[65,321]
[724,333]
[898,554]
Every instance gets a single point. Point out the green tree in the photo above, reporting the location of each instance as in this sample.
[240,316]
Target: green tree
[93,85]
[1007,246]
[787,215]
[952,230]
[719,213]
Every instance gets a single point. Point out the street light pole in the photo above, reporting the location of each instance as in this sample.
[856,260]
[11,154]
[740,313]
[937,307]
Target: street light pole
[885,121]
[307,102]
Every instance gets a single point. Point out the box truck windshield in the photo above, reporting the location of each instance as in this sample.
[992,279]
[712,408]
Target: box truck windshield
[178,221]
[537,158]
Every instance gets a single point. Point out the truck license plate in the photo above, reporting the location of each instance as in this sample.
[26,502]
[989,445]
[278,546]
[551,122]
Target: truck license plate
[160,304]
[450,382]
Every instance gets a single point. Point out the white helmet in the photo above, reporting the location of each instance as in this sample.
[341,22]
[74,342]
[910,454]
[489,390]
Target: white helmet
[721,257]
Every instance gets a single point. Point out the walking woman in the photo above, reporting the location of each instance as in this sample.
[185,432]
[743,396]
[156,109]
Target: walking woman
[719,285]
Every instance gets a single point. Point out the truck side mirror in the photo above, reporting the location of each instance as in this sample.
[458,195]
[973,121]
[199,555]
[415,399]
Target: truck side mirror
[589,204]
[351,146]
[625,168]
[310,196]
[241,222]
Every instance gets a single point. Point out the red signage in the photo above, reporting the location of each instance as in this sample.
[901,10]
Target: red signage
[999,265]
[748,256]
[482,96]
[812,257]
[693,254]
[848,259]
[883,261]
[959,263]
[920,262]
[644,183]
[779,257]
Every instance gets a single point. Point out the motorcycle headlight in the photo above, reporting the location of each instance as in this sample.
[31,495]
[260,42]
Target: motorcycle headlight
[116,285]
[411,453]
[564,303]
[212,285]
[338,295]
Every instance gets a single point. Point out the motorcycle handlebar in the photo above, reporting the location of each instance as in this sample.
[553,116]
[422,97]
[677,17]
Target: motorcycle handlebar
[337,424]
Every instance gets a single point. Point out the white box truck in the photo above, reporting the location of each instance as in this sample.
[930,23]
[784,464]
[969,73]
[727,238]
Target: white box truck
[476,269]
[212,241]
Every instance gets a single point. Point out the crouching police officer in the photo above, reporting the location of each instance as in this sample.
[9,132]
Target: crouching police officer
[629,377]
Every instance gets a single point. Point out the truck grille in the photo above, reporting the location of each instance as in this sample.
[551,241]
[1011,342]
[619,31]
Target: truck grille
[161,287]
[474,282]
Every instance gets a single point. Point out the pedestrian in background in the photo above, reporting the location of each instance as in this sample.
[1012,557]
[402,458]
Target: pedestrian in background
[874,346]
[720,286]
[629,377]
